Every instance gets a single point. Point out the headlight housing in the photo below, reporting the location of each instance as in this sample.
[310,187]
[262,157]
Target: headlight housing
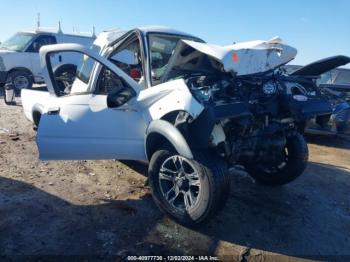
[201,94]
[269,88]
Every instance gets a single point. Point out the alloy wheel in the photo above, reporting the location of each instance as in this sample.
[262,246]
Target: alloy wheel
[179,183]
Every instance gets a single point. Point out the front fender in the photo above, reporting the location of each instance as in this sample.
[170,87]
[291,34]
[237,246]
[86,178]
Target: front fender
[157,131]
[171,96]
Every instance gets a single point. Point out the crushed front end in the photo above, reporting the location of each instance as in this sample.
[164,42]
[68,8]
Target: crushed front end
[250,118]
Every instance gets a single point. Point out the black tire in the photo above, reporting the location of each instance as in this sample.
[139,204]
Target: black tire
[295,164]
[20,79]
[65,76]
[212,195]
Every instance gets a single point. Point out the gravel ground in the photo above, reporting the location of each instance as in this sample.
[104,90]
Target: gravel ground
[103,208]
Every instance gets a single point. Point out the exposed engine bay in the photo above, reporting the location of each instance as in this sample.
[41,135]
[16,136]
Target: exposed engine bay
[250,117]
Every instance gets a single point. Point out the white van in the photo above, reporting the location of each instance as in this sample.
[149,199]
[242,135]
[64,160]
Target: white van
[19,56]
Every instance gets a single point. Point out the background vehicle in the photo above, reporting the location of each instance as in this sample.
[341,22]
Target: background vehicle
[20,61]
[334,84]
[189,108]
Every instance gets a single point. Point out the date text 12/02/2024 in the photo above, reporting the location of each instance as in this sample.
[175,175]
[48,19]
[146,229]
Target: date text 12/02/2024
[172,258]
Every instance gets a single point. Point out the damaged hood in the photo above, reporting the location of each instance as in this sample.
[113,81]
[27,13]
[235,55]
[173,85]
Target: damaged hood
[241,59]
[322,66]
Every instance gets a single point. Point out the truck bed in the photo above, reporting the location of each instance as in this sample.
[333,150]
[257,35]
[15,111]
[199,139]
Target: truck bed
[34,99]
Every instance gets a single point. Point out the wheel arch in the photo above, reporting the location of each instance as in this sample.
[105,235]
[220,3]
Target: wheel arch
[162,132]
[172,115]
[20,69]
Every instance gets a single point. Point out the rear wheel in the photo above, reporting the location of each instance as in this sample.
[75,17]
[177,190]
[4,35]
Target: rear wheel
[292,163]
[187,190]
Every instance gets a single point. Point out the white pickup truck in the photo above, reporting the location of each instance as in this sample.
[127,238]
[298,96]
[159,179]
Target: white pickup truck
[190,109]
[19,55]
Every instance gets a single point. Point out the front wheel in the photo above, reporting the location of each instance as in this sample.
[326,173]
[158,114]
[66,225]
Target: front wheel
[292,163]
[20,79]
[187,190]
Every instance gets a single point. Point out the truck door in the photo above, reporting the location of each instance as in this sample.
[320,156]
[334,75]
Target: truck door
[97,117]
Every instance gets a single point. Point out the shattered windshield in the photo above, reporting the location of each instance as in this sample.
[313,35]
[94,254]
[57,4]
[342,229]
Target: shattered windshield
[161,48]
[17,42]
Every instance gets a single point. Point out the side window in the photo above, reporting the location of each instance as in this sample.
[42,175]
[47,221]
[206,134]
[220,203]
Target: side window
[117,90]
[73,76]
[128,58]
[342,77]
[40,41]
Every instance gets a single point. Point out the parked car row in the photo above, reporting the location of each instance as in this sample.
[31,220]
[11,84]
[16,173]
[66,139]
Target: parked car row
[333,83]
[192,110]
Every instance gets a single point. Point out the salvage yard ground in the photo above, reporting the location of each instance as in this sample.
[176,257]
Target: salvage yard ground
[103,207]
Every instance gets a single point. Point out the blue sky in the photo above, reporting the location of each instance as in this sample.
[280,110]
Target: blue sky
[317,28]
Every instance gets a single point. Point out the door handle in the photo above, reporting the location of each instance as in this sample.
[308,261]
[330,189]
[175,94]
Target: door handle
[60,58]
[53,111]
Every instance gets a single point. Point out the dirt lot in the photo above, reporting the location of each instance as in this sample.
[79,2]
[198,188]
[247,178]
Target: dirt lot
[103,207]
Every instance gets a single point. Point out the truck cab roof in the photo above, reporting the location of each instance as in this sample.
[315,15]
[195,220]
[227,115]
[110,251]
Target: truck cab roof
[109,37]
[55,32]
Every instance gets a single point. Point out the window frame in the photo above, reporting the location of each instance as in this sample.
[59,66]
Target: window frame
[52,76]
[147,41]
[128,38]
[95,73]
